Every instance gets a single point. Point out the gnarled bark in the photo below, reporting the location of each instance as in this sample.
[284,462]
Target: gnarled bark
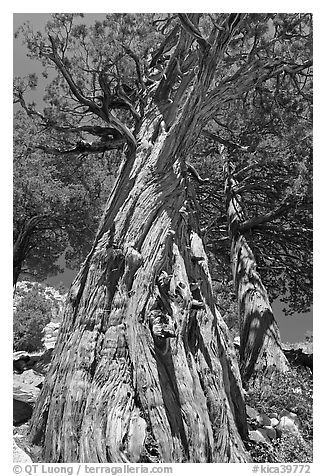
[260,342]
[143,368]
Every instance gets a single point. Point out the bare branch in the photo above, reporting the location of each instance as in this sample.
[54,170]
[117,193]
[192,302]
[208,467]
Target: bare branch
[74,89]
[196,175]
[103,112]
[220,140]
[139,66]
[262,219]
[85,147]
[193,31]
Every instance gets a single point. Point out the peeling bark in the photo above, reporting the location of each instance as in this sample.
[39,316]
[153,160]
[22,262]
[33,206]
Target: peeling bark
[260,342]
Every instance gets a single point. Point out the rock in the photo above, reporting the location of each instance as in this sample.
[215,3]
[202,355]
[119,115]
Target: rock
[251,413]
[270,431]
[50,332]
[26,386]
[293,416]
[273,415]
[22,411]
[263,420]
[19,456]
[21,354]
[274,422]
[287,424]
[23,361]
[299,357]
[259,436]
[264,433]
[236,342]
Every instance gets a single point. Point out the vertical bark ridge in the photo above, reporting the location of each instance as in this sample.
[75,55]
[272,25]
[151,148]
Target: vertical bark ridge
[260,342]
[177,396]
[142,369]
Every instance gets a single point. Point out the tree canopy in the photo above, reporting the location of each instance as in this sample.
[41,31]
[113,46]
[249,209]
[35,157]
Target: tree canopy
[98,94]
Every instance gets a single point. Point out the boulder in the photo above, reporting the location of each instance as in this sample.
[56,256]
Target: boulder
[264,433]
[26,386]
[270,431]
[259,436]
[50,332]
[274,422]
[19,456]
[263,420]
[251,413]
[273,415]
[23,361]
[287,424]
[236,342]
[293,416]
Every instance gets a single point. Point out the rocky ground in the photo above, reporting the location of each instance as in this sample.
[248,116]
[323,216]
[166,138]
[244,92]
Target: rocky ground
[276,431]
[266,429]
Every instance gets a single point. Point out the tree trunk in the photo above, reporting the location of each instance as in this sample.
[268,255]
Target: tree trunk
[144,370]
[260,342]
[22,243]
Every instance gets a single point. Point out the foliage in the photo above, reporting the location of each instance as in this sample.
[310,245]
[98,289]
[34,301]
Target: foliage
[32,314]
[66,194]
[287,449]
[113,61]
[268,132]
[64,190]
[294,392]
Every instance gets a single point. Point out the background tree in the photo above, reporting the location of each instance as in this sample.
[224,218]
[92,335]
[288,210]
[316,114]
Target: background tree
[145,289]
[271,157]
[57,202]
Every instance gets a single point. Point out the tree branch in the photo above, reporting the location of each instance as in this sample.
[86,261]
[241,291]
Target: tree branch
[244,79]
[262,219]
[73,87]
[82,147]
[227,143]
[191,169]
[193,31]
[102,112]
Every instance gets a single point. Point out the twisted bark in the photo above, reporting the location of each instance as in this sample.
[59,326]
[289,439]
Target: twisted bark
[143,368]
[260,342]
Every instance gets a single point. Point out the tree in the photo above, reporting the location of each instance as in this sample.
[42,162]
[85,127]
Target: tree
[260,342]
[143,368]
[270,209]
[57,203]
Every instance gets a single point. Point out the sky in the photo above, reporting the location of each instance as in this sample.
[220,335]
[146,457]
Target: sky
[292,328]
